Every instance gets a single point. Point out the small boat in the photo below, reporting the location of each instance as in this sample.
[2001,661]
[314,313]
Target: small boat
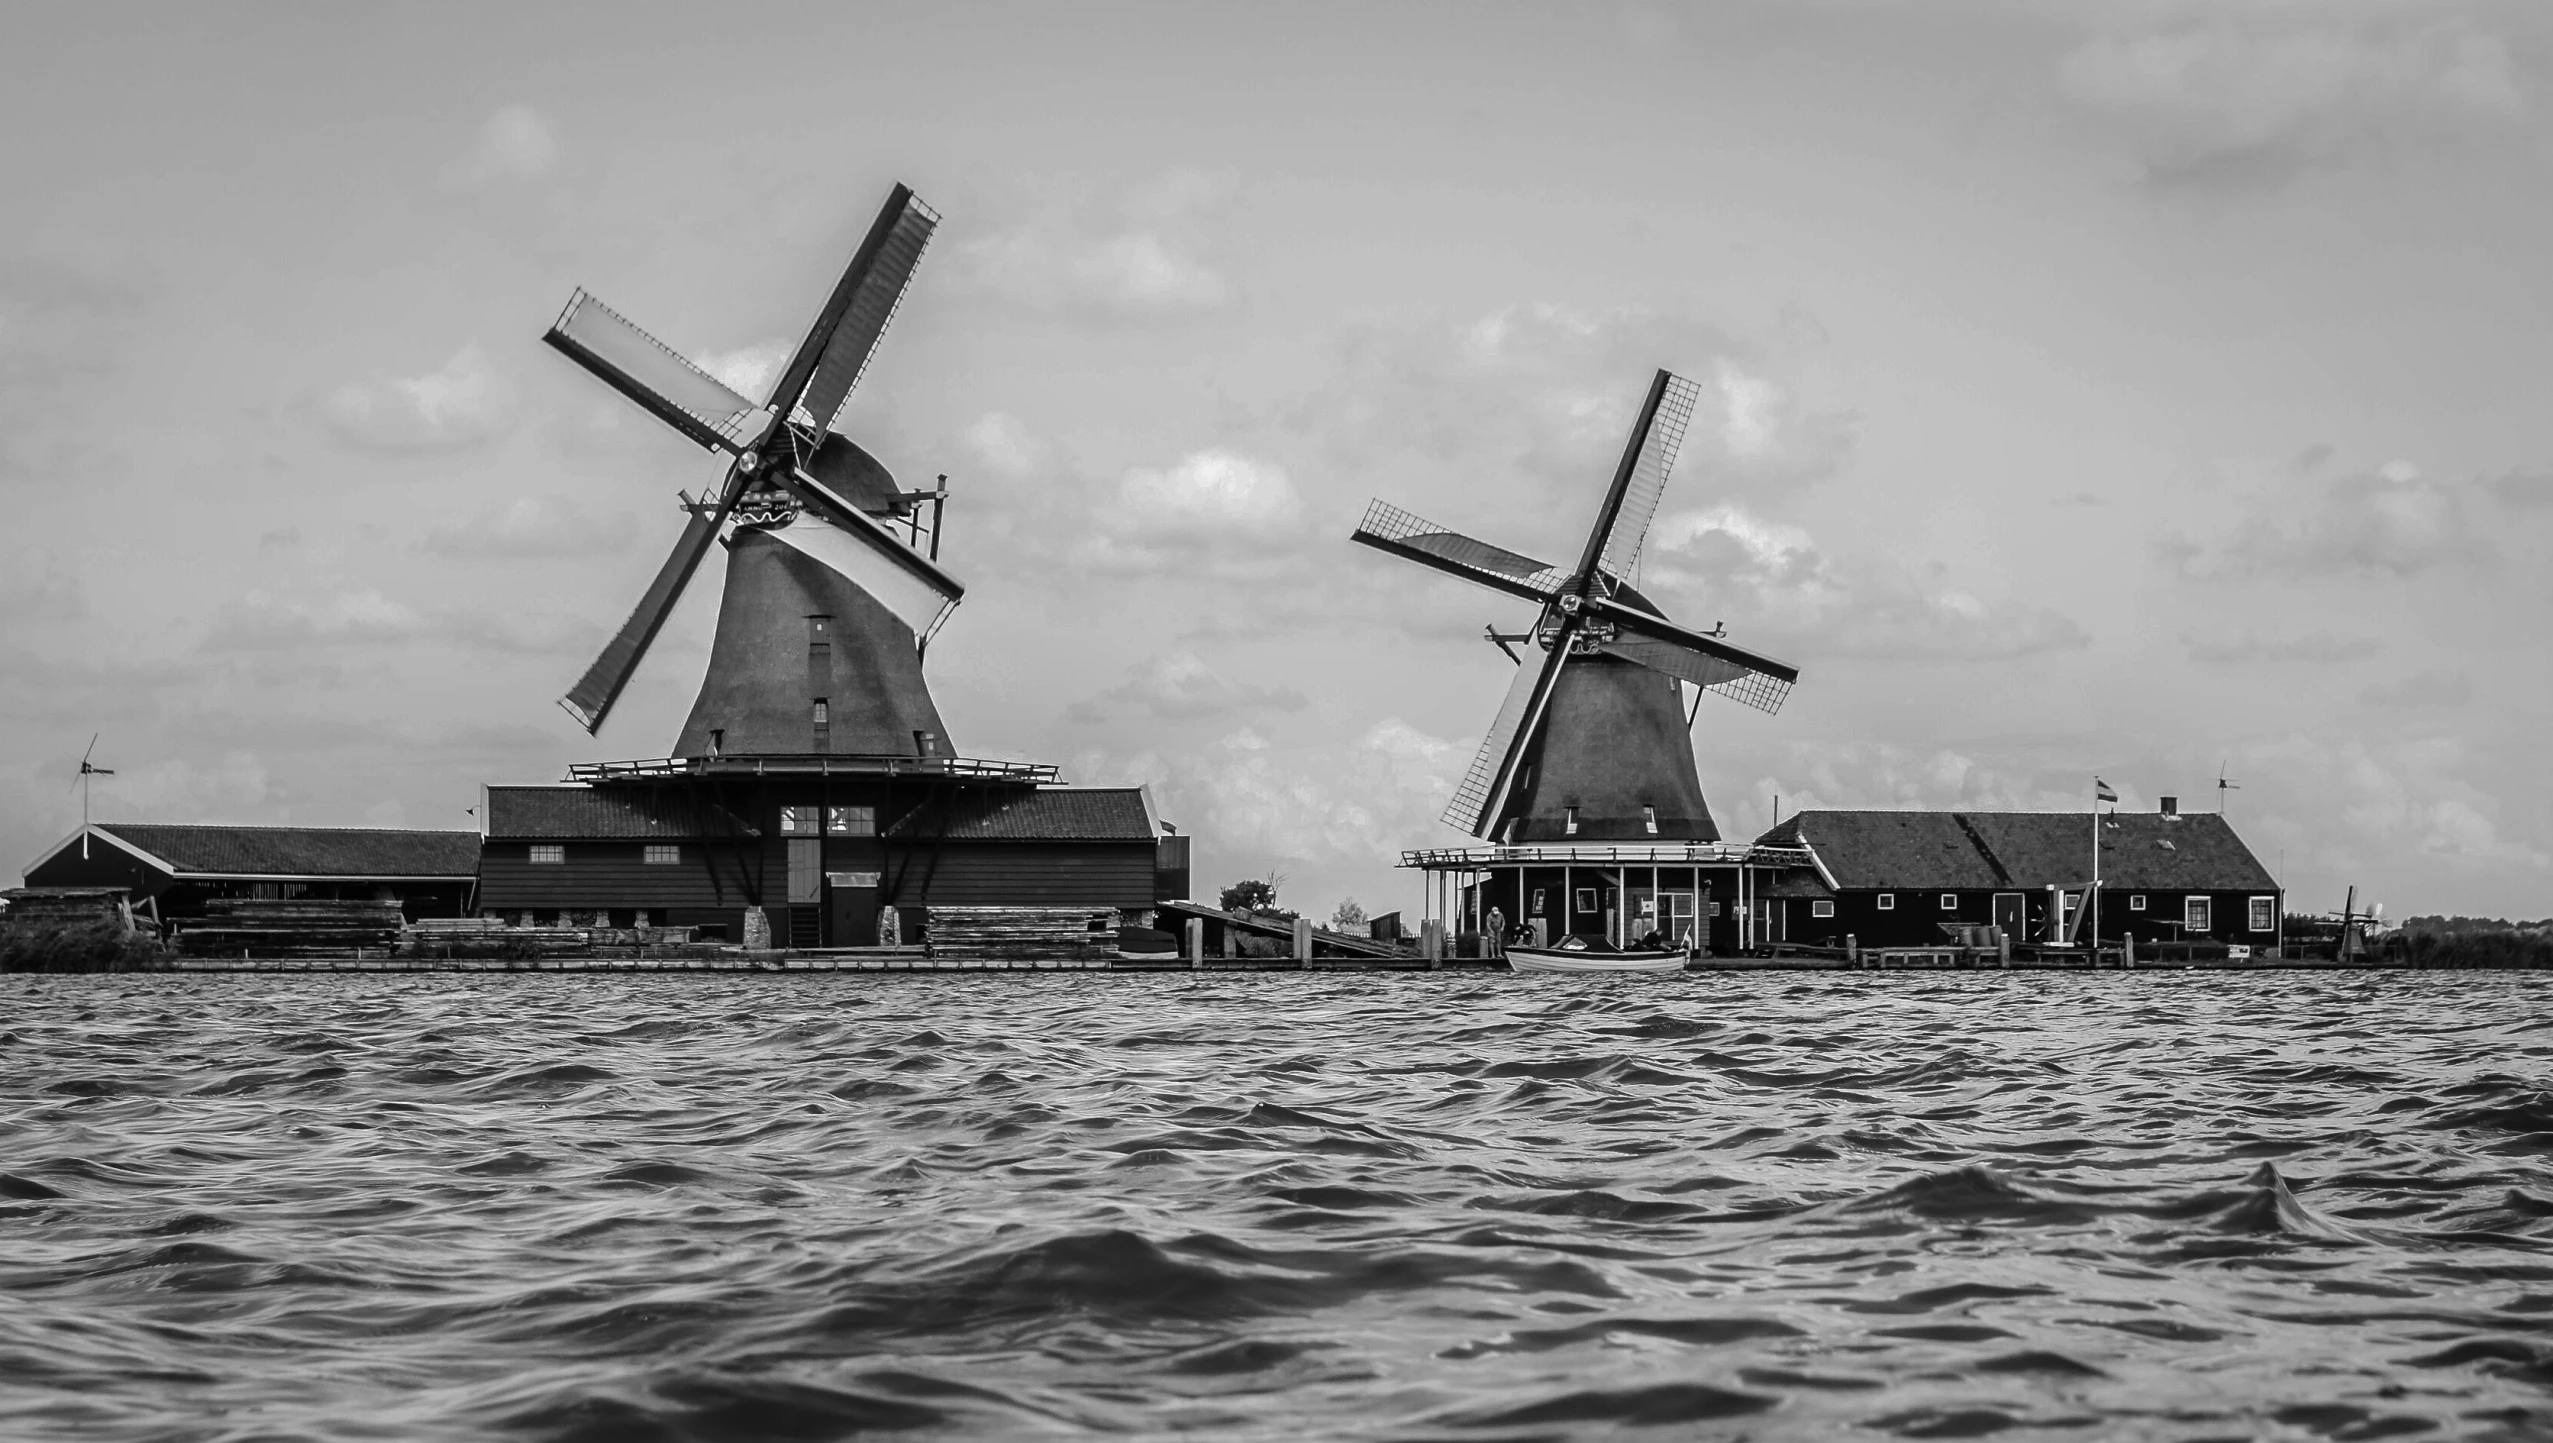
[1578,954]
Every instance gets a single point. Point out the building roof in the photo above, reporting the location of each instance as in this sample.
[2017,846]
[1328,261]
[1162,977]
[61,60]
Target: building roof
[212,851]
[1044,814]
[605,812]
[2025,850]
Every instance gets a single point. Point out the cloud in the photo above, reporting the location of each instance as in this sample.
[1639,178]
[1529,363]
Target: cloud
[1149,257]
[262,621]
[2248,100]
[1356,804]
[1527,407]
[533,527]
[40,586]
[2396,798]
[2391,521]
[2243,648]
[513,144]
[66,332]
[1773,579]
[1180,686]
[751,369]
[461,405]
[2427,688]
[1213,511]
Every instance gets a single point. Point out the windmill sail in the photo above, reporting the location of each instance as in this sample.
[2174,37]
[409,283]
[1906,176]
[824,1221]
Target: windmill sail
[871,290]
[651,373]
[1388,528]
[1484,788]
[1648,460]
[590,700]
[1706,661]
[856,547]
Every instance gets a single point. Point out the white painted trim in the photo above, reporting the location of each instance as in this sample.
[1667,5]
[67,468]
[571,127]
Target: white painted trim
[99,831]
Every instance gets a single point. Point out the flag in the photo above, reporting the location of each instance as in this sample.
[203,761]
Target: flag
[2101,791]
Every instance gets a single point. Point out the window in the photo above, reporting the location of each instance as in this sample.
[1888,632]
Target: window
[2264,914]
[1586,899]
[2196,915]
[549,854]
[797,820]
[1571,814]
[2136,903]
[661,854]
[1538,891]
[1649,815]
[1822,907]
[1888,901]
[1950,901]
[824,715]
[1715,909]
[717,740]
[851,821]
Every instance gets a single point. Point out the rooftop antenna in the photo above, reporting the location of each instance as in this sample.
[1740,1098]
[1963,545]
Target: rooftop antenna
[87,771]
[2223,786]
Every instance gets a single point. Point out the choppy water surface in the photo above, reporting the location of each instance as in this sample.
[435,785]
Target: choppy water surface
[1275,1206]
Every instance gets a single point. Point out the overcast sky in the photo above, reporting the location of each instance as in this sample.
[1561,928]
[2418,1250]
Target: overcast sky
[2118,387]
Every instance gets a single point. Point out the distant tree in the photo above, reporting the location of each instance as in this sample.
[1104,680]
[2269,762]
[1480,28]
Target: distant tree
[1253,894]
[1349,916]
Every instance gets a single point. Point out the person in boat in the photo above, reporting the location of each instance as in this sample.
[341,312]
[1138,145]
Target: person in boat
[1650,941]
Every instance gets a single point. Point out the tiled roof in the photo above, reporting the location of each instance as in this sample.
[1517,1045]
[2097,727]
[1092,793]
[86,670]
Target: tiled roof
[1043,814]
[2026,850]
[610,812]
[303,851]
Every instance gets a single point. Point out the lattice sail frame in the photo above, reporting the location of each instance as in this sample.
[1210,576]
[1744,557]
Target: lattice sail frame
[1386,522]
[1649,475]
[1468,809]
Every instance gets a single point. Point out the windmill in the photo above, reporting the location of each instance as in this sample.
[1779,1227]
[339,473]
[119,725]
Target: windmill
[2223,786]
[826,609]
[87,770]
[1592,742]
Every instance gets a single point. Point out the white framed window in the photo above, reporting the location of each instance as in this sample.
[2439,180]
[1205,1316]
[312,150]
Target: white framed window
[2197,915]
[2264,916]
[2136,902]
[851,821]
[661,854]
[1587,900]
[1571,816]
[1888,901]
[1715,909]
[1649,816]
[1950,901]
[1822,907]
[797,821]
[549,854]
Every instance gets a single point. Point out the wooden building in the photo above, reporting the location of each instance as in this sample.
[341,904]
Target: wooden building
[829,853]
[171,870]
[1895,878]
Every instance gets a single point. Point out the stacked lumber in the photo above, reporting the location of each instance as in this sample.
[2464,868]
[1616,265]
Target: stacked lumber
[301,927]
[490,937]
[1023,931]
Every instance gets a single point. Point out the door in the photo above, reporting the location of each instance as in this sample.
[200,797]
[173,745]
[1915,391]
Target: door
[806,891]
[851,908]
[2012,912]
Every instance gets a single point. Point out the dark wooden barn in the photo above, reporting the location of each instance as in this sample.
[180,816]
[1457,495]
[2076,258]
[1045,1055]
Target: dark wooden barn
[173,869]
[1894,878]
[829,857]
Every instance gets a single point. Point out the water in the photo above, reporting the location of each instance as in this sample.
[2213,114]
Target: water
[1270,1206]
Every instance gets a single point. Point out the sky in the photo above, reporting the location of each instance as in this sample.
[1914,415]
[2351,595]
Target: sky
[2146,390]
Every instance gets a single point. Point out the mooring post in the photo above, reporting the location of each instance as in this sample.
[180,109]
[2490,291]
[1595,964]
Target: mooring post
[1431,942]
[2127,951]
[1852,950]
[1303,943]
[2003,949]
[1196,943]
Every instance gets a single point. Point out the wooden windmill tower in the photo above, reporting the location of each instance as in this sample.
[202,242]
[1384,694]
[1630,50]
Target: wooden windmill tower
[1592,747]
[826,608]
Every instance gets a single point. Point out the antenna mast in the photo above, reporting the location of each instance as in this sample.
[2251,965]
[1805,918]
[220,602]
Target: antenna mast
[87,771]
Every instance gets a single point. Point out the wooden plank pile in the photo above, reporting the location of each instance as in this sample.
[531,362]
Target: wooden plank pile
[301,927]
[489,937]
[1022,932]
